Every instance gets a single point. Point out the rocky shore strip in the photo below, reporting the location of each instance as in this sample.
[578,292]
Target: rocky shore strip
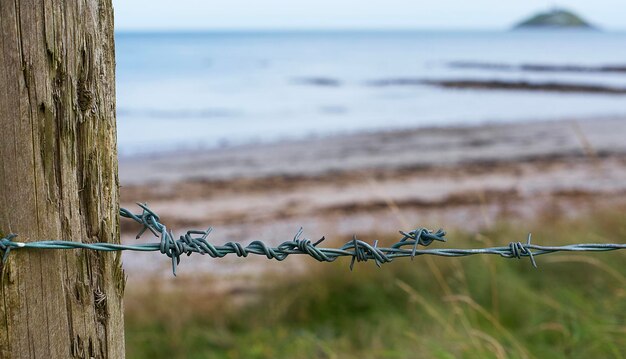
[373,184]
[504,85]
[533,67]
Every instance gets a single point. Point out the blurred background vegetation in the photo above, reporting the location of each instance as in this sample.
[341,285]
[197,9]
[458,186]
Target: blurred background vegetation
[572,306]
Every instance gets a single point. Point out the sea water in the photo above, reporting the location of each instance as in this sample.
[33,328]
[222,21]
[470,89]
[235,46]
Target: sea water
[208,89]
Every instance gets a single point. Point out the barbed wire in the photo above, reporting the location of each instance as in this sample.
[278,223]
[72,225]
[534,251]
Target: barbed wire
[195,241]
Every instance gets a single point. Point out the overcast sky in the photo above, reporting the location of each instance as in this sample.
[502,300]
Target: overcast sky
[350,14]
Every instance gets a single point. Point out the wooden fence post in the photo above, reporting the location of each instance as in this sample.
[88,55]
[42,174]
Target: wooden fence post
[58,180]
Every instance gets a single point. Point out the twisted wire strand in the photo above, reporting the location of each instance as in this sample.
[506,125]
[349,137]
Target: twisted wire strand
[195,241]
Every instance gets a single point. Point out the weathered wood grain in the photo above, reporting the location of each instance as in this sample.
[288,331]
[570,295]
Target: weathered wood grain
[58,179]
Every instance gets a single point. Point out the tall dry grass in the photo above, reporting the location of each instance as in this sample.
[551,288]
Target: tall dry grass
[573,305]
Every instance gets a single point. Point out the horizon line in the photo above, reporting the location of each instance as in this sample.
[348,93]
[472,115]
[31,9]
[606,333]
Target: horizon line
[342,29]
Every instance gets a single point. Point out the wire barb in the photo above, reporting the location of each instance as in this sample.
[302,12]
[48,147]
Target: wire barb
[195,241]
[518,250]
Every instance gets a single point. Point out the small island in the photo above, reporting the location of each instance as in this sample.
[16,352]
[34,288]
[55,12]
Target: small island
[556,18]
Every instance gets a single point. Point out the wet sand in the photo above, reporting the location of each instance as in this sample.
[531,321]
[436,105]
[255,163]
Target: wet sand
[374,184]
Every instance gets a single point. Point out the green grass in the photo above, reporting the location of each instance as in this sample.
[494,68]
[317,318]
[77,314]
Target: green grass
[572,306]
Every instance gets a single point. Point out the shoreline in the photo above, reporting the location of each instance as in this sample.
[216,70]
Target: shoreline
[375,184]
[437,145]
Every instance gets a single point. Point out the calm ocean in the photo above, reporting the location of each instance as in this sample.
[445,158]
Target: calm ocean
[197,90]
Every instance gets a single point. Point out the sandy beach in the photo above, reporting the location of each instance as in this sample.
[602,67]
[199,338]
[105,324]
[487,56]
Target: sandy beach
[373,184]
